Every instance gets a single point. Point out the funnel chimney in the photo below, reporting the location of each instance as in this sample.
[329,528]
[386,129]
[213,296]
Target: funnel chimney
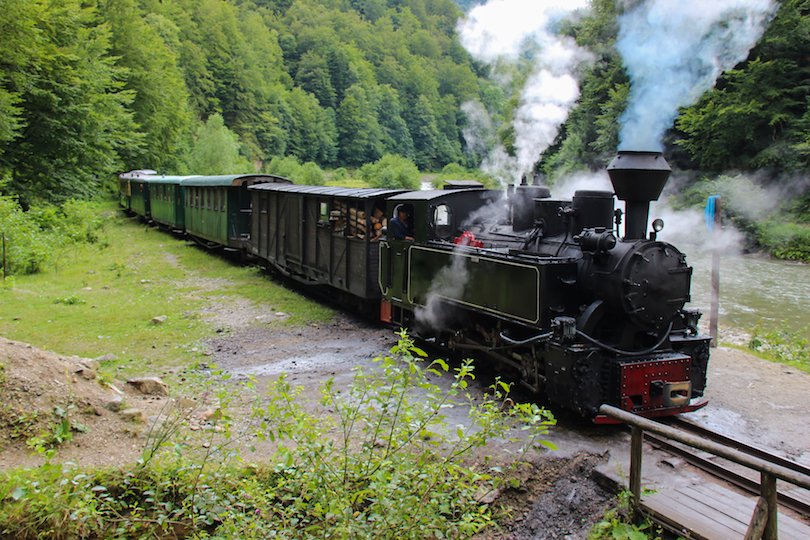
[638,179]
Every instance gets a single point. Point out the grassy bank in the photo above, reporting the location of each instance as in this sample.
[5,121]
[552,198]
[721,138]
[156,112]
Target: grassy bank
[101,298]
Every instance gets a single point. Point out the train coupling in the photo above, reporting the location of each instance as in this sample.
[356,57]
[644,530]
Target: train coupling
[674,394]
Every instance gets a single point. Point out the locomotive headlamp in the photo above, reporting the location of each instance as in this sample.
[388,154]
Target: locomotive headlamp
[658,225]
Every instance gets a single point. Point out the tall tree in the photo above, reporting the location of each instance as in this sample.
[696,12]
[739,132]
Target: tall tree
[161,100]
[216,149]
[359,134]
[74,111]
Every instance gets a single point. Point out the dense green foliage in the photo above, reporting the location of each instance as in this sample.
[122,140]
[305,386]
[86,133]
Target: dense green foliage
[392,172]
[756,118]
[34,239]
[375,460]
[88,88]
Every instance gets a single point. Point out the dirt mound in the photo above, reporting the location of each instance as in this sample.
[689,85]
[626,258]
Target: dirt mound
[557,499]
[58,401]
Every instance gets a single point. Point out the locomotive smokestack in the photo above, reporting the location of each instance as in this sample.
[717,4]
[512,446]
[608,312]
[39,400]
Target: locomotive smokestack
[638,179]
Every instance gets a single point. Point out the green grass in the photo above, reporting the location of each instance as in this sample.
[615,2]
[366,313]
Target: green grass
[346,182]
[103,296]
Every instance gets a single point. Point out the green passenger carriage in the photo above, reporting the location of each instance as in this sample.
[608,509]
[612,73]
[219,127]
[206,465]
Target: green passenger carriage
[217,208]
[166,201]
[133,195]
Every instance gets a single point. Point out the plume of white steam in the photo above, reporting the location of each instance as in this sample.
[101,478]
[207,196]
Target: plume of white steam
[448,283]
[565,187]
[499,31]
[674,50]
[687,230]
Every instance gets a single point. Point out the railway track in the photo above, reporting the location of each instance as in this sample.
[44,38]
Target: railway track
[789,496]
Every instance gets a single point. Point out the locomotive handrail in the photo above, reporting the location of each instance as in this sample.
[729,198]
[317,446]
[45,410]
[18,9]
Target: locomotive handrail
[764,521]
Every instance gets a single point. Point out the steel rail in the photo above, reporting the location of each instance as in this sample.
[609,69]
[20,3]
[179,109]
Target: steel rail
[724,473]
[687,425]
[741,458]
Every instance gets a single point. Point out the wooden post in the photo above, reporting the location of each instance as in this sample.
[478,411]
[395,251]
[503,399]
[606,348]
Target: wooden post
[768,492]
[715,307]
[636,440]
[758,521]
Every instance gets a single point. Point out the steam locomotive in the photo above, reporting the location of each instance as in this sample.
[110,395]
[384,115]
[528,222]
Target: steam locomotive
[545,287]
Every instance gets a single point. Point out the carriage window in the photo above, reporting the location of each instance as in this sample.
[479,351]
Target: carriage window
[323,212]
[223,197]
[442,221]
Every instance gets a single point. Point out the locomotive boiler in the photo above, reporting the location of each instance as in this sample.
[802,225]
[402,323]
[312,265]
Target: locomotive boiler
[552,291]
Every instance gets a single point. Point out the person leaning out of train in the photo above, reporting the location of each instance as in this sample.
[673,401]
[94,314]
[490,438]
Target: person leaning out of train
[399,227]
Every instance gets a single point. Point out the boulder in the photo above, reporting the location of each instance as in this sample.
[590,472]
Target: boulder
[160,319]
[114,404]
[133,415]
[86,373]
[152,386]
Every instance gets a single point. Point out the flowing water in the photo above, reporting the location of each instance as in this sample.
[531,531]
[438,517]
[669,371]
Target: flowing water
[755,292]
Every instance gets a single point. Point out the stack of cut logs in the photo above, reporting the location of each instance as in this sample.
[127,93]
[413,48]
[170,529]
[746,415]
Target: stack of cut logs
[357,224]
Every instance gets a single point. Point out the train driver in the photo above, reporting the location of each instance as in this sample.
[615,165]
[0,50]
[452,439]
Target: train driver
[400,227]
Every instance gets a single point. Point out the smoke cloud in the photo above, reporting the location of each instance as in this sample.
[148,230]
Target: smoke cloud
[448,283]
[674,50]
[501,31]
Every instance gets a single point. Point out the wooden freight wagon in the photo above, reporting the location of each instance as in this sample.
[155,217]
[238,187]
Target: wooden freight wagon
[321,235]
[217,208]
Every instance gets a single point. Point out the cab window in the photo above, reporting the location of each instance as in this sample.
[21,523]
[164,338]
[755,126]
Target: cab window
[442,221]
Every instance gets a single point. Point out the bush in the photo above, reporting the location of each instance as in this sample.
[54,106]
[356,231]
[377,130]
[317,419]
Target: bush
[28,248]
[391,171]
[789,241]
[287,166]
[32,237]
[311,174]
[384,463]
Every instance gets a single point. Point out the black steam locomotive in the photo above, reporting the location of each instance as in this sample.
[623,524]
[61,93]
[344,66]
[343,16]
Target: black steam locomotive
[545,287]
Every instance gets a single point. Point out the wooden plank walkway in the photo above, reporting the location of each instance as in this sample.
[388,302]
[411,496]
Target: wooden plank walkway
[712,512]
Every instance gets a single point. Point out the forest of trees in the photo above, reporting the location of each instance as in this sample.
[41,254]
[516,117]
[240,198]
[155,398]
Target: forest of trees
[88,88]
[92,87]
[757,116]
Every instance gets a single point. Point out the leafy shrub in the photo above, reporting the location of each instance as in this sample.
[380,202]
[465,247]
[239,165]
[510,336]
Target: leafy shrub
[287,166]
[385,463]
[619,524]
[71,300]
[28,248]
[33,237]
[789,241]
[391,171]
[311,174]
[340,173]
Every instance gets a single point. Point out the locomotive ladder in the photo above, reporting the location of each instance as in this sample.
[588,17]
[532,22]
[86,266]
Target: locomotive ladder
[683,514]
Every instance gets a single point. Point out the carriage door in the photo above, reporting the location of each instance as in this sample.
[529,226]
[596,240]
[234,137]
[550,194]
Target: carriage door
[293,234]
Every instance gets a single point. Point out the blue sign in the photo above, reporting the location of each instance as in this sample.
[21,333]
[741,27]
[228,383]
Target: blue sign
[711,211]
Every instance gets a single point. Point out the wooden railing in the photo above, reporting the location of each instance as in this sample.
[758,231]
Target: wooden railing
[763,523]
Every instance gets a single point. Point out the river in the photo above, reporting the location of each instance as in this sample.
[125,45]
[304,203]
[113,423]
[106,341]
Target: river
[755,291]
